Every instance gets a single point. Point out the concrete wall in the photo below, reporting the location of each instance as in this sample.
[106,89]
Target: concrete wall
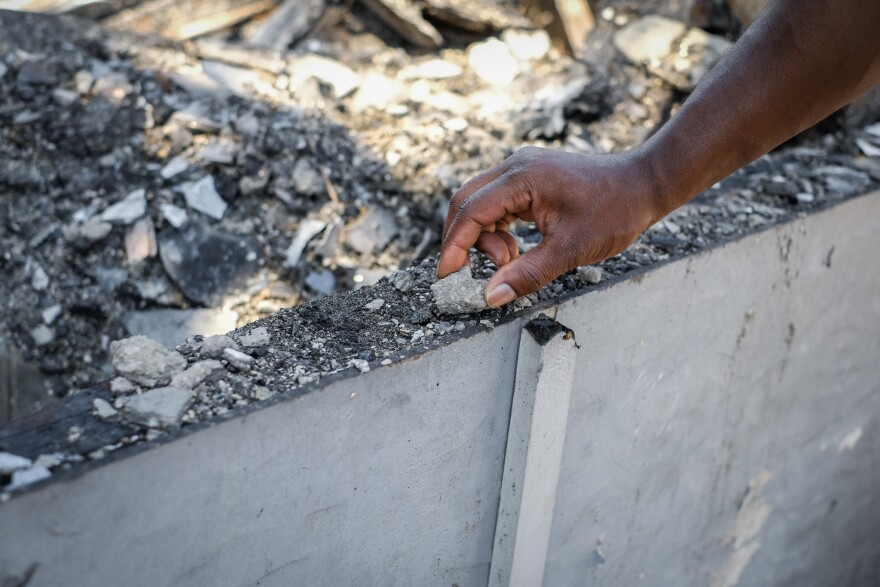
[719,426]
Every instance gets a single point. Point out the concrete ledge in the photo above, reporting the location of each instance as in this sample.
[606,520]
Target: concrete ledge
[722,429]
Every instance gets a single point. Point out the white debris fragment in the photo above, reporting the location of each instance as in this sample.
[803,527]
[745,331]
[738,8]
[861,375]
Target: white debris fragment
[121,385]
[52,459]
[196,373]
[163,407]
[256,337]
[202,197]
[39,279]
[213,346]
[51,313]
[308,229]
[493,62]
[589,274]
[433,69]
[238,359]
[128,210]
[103,409]
[361,365]
[42,335]
[850,441]
[174,167]
[527,45]
[376,304]
[145,361]
[95,229]
[25,477]
[10,462]
[175,215]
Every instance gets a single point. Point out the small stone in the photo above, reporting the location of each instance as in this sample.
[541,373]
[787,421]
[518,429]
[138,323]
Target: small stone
[73,434]
[64,97]
[385,362]
[49,460]
[589,274]
[372,232]
[145,361]
[307,180]
[196,373]
[805,198]
[341,78]
[163,407]
[460,293]
[323,282]
[103,409]
[10,463]
[140,241]
[402,281]
[308,229]
[83,81]
[51,313]
[262,393]
[493,62]
[95,229]
[174,167]
[25,477]
[39,278]
[175,215]
[128,210]
[360,364]
[649,38]
[202,197]
[257,337]
[121,385]
[238,359]
[432,69]
[213,346]
[42,335]
[376,304]
[222,153]
[527,45]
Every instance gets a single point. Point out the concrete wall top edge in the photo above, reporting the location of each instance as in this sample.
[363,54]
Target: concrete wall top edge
[49,431]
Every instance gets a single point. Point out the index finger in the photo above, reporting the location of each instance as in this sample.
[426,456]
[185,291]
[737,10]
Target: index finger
[493,202]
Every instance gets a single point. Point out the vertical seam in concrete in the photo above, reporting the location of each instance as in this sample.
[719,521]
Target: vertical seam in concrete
[533,457]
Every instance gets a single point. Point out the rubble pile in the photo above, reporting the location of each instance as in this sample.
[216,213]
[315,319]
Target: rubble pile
[249,160]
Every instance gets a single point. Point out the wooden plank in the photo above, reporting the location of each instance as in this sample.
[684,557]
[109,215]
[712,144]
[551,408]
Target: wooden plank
[287,25]
[405,18]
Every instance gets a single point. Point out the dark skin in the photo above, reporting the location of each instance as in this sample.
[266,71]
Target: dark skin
[798,63]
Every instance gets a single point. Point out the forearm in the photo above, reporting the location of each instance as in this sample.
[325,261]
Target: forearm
[801,61]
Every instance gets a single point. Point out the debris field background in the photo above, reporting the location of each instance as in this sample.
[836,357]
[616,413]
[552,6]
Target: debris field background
[171,169]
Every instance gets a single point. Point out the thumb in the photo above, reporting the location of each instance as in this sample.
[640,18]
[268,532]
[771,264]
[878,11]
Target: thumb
[526,274]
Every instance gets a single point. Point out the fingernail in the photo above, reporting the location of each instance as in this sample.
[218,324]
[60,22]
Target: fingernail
[500,295]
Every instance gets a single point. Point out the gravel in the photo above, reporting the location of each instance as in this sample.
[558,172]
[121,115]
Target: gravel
[145,361]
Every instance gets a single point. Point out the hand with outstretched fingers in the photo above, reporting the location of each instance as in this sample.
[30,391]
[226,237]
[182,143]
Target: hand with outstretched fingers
[587,208]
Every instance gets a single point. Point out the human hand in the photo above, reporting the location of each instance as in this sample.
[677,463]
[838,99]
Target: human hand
[587,208]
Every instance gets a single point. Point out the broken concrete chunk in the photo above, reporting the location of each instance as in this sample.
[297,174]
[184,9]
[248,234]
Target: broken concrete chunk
[51,313]
[25,477]
[257,337]
[376,304]
[202,197]
[373,232]
[95,229]
[42,335]
[208,265]
[161,407]
[140,241]
[196,373]
[402,281]
[493,62]
[174,168]
[121,385]
[145,361]
[238,359]
[406,18]
[670,50]
[10,462]
[460,293]
[589,274]
[39,278]
[103,409]
[213,346]
[361,365]
[128,210]
[342,79]
[175,215]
